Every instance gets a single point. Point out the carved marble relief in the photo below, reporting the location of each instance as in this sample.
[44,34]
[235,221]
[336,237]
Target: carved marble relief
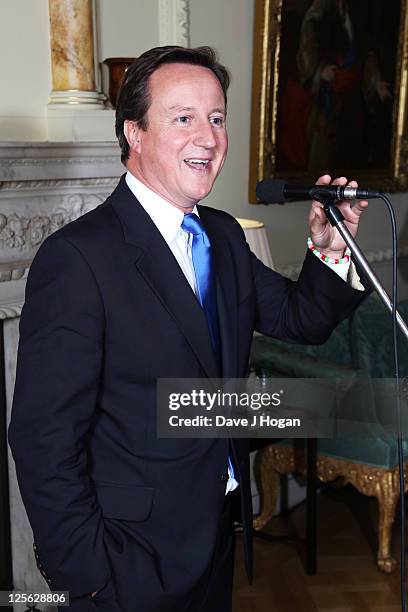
[18,231]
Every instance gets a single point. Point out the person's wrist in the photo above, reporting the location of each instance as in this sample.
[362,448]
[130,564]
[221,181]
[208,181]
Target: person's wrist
[329,256]
[334,254]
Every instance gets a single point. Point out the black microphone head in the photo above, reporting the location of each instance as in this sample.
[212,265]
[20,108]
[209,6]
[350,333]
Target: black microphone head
[271,191]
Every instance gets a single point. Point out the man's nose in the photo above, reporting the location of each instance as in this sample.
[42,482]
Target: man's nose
[204,136]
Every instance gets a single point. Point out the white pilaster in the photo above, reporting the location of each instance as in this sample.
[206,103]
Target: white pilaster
[174,25]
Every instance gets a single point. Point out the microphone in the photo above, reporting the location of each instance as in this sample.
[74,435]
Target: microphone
[276,191]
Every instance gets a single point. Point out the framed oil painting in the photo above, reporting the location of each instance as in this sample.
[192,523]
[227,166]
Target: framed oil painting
[329,91]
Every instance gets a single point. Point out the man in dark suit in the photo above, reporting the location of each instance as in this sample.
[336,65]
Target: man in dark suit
[122,519]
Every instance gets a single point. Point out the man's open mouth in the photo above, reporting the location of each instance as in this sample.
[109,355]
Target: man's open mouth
[197,164]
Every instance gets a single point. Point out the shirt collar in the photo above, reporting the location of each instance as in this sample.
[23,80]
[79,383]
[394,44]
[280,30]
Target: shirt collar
[166,217]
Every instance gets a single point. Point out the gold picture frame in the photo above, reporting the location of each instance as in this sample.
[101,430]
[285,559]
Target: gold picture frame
[280,104]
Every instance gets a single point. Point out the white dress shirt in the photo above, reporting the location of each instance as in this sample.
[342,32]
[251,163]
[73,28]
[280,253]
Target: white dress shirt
[168,219]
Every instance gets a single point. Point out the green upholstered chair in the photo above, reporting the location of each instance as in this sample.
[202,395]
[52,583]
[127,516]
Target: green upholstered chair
[360,346]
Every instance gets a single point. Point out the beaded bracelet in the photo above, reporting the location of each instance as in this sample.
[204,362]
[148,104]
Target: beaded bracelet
[326,258]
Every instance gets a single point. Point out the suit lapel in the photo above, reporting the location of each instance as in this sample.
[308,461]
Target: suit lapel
[159,268]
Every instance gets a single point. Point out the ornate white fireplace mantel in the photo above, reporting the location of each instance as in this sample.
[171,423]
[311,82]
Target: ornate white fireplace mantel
[42,187]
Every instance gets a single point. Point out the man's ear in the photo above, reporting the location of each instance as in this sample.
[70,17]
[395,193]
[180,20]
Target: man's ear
[132,135]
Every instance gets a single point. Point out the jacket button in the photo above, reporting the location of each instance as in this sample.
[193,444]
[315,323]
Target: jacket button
[224,477]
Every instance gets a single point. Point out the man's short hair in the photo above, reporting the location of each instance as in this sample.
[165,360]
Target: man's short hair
[134,96]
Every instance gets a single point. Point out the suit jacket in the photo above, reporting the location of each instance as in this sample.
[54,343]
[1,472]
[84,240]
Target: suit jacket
[107,312]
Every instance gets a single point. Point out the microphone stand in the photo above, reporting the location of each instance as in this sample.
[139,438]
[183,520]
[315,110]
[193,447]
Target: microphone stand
[336,219]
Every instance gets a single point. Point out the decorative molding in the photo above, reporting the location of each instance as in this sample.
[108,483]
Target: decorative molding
[11,312]
[174,22]
[44,150]
[41,161]
[14,271]
[44,186]
[75,98]
[22,162]
[12,296]
[109,182]
[18,231]
[292,271]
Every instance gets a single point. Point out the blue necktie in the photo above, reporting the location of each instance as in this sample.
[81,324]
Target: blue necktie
[204,273]
[203,268]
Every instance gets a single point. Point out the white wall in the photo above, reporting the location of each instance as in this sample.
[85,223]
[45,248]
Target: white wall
[25,68]
[214,23]
[25,61]
[126,28]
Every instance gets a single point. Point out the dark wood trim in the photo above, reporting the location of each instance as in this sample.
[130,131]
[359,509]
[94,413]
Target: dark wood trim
[311,507]
[307,546]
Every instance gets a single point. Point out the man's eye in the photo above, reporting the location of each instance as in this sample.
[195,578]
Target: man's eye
[184,119]
[217,120]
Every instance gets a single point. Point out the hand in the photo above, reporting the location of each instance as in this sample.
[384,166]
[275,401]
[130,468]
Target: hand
[325,237]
